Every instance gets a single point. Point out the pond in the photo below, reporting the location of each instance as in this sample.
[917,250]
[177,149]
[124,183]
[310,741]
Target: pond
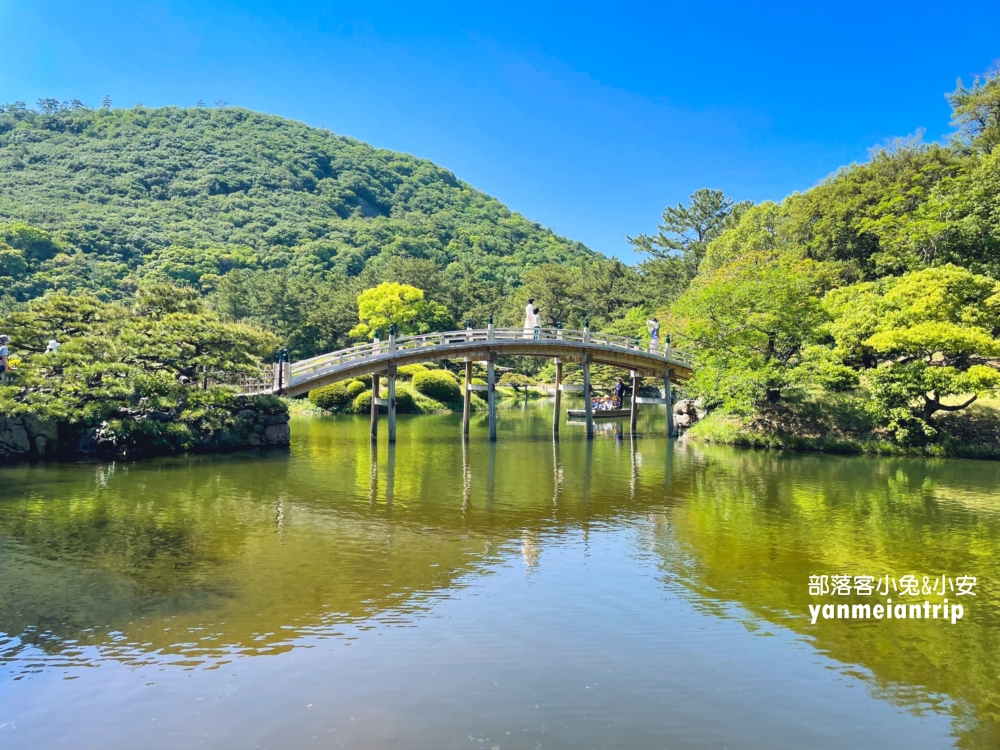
[613,593]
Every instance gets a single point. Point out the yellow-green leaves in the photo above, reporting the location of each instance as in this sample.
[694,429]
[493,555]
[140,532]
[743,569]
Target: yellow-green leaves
[399,304]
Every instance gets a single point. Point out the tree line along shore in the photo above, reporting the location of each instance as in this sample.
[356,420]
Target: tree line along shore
[171,250]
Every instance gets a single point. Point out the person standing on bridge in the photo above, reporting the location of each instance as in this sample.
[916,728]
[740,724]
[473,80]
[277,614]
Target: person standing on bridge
[536,321]
[529,317]
[653,326]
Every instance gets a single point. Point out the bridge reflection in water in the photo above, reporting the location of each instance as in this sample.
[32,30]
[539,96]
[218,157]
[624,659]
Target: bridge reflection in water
[445,563]
[485,345]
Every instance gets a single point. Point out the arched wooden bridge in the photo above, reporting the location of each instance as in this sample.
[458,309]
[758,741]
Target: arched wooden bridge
[483,345]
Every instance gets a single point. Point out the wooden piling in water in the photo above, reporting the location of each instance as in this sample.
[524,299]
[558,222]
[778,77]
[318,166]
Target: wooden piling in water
[556,413]
[586,397]
[374,426]
[491,394]
[467,400]
[634,412]
[392,403]
[668,397]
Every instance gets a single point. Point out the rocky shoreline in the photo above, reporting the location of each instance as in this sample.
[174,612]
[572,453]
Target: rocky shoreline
[28,437]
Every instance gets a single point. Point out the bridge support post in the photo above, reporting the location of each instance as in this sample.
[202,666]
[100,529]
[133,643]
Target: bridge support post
[374,426]
[634,412]
[668,397]
[467,399]
[391,397]
[555,414]
[491,393]
[586,396]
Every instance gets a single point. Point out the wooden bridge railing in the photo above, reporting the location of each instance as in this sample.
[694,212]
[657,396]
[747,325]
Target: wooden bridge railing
[315,365]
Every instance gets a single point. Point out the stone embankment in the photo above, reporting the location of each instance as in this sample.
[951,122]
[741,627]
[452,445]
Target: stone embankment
[28,437]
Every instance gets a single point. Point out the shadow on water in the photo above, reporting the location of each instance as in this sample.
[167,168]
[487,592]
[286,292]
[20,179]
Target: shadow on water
[194,561]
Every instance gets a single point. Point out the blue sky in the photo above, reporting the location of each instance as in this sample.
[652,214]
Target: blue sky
[586,117]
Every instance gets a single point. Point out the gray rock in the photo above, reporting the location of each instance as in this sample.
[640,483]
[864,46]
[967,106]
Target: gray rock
[269,419]
[685,406]
[253,438]
[683,421]
[14,440]
[248,414]
[259,428]
[89,441]
[38,427]
[41,444]
[278,434]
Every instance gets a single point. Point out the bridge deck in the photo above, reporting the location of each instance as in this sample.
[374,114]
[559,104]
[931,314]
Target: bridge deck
[478,345]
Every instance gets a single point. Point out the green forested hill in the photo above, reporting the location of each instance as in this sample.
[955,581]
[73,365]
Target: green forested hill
[192,193]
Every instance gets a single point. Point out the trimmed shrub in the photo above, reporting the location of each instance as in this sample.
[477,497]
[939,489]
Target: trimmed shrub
[477,381]
[363,402]
[514,380]
[366,379]
[337,396]
[405,403]
[439,385]
[408,371]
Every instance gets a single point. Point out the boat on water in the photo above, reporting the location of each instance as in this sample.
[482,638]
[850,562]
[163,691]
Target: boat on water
[598,413]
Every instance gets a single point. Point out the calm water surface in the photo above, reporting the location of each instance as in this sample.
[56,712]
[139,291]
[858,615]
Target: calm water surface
[527,594]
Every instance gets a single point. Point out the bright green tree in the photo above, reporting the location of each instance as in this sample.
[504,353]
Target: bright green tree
[924,339]
[400,304]
[976,111]
[746,323]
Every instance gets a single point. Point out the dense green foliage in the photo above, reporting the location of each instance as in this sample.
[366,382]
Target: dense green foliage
[881,281]
[879,284]
[144,374]
[284,224]
[440,385]
[338,396]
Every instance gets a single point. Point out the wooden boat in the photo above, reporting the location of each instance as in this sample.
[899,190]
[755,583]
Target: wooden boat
[598,414]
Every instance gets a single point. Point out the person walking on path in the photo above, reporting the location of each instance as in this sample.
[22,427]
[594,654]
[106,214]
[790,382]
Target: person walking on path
[653,326]
[53,346]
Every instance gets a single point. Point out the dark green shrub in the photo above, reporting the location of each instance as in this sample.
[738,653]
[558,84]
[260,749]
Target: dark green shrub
[514,380]
[408,371]
[336,397]
[405,404]
[439,385]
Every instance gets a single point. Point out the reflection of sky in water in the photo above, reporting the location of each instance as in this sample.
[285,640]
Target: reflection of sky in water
[527,593]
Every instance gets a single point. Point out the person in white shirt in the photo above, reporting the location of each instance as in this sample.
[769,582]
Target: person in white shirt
[52,347]
[653,326]
[529,318]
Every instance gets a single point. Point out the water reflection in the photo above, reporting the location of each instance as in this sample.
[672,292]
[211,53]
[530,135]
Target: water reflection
[195,562]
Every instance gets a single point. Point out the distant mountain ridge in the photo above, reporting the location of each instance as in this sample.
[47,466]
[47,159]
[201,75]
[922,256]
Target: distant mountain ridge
[121,185]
